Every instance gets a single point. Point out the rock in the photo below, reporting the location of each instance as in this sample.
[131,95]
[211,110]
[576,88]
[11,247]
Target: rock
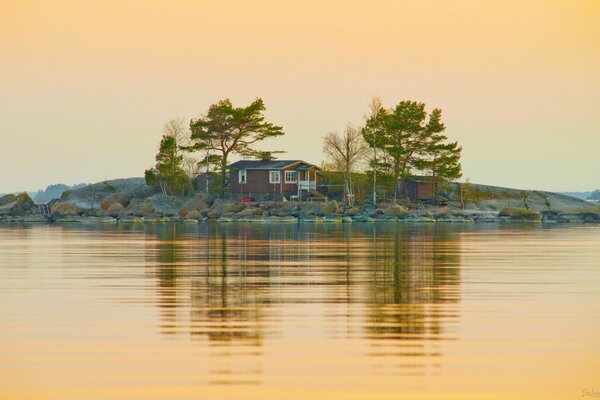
[7,198]
[115,209]
[331,207]
[347,220]
[246,212]
[395,210]
[64,209]
[414,218]
[91,196]
[213,215]
[16,205]
[360,218]
[113,198]
[332,219]
[314,219]
[190,221]
[352,211]
[194,214]
[166,205]
[519,214]
[138,208]
[199,202]
[131,220]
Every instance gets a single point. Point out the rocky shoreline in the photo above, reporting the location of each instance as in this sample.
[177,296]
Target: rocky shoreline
[410,218]
[130,201]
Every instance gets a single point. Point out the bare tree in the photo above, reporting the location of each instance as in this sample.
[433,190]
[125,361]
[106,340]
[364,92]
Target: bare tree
[346,153]
[179,130]
[374,106]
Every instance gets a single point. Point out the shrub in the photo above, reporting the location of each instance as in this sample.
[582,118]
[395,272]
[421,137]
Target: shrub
[64,209]
[331,207]
[395,210]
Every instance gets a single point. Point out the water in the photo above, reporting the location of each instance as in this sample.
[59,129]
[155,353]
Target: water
[299,311]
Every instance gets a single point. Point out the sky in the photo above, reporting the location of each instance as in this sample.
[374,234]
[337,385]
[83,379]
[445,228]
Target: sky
[85,86]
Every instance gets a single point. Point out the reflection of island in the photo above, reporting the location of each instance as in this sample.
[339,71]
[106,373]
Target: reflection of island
[413,286]
[221,283]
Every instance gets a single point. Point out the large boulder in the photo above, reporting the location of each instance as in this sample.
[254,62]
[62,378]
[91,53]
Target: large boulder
[115,210]
[139,208]
[117,190]
[16,205]
[166,205]
[200,202]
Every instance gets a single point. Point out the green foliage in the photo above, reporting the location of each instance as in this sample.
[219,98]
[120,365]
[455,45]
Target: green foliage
[168,173]
[110,187]
[409,138]
[229,130]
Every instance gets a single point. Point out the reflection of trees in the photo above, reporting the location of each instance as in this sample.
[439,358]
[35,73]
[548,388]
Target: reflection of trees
[219,283]
[414,282]
[226,294]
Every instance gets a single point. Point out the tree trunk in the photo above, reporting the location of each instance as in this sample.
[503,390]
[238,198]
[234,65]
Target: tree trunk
[223,174]
[396,176]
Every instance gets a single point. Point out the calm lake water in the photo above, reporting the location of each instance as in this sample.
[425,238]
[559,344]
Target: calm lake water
[299,312]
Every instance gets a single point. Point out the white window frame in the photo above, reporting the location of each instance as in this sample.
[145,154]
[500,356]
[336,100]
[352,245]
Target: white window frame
[272,174]
[242,173]
[295,176]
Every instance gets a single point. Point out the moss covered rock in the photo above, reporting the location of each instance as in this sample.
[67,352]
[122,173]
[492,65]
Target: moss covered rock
[64,209]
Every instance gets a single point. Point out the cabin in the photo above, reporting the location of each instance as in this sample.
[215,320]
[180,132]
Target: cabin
[274,179]
[418,188]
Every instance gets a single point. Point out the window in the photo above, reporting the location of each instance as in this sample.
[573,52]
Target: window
[242,175]
[274,177]
[291,177]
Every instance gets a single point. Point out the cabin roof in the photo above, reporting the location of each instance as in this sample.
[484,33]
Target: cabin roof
[270,164]
[423,178]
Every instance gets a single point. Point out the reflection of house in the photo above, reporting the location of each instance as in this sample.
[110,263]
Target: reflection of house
[288,178]
[418,187]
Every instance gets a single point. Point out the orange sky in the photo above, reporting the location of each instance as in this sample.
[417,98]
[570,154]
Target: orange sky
[86,85]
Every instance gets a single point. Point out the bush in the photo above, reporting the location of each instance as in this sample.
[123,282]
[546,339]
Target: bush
[395,210]
[64,209]
[331,207]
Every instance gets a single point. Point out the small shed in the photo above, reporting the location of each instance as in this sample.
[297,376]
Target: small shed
[422,188]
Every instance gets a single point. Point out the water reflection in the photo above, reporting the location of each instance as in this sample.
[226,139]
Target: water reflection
[234,281]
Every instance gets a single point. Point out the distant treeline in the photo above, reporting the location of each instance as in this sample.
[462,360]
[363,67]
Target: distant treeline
[595,195]
[53,192]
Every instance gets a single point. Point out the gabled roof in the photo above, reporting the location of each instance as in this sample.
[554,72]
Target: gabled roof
[423,178]
[270,164]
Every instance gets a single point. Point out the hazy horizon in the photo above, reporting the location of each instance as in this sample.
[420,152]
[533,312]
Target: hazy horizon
[86,86]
